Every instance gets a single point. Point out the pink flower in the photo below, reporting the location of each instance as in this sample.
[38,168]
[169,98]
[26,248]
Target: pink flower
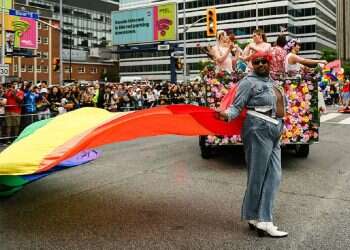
[211,138]
[308,97]
[306,137]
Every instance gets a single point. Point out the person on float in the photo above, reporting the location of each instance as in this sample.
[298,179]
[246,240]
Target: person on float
[259,44]
[236,51]
[261,139]
[278,54]
[295,63]
[221,52]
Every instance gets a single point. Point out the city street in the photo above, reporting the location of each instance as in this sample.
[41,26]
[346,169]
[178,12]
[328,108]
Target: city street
[158,193]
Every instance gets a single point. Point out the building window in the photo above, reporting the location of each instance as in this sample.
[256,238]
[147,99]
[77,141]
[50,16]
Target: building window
[45,55]
[81,69]
[38,54]
[45,40]
[39,25]
[45,27]
[94,70]
[15,68]
[23,68]
[66,69]
[38,68]
[44,69]
[39,39]
[30,68]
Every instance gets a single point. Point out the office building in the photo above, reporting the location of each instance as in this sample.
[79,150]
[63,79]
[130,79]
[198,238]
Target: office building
[313,22]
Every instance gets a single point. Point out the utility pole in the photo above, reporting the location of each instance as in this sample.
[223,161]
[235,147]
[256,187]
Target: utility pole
[61,42]
[184,42]
[3,38]
[257,14]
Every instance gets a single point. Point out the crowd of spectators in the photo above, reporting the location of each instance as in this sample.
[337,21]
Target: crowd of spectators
[22,103]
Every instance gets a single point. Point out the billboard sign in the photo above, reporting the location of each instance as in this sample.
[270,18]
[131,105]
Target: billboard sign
[145,25]
[10,42]
[8,4]
[25,31]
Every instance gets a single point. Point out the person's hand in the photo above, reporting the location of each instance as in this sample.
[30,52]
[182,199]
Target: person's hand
[221,114]
[244,58]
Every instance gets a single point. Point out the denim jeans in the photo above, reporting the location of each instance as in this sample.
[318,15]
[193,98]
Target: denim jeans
[261,141]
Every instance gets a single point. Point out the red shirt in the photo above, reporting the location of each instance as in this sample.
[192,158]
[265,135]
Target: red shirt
[346,87]
[13,103]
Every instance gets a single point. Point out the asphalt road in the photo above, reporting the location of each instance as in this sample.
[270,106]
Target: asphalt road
[158,193]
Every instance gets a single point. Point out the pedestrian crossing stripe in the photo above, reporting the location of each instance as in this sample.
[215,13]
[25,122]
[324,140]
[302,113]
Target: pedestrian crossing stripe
[340,118]
[346,121]
[329,116]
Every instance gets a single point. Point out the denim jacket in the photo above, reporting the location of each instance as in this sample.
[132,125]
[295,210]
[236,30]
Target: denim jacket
[254,92]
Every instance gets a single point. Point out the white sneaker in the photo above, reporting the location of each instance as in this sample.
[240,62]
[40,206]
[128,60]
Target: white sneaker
[267,228]
[252,224]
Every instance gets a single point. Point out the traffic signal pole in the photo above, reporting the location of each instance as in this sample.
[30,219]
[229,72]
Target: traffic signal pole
[61,42]
[185,29]
[184,41]
[3,38]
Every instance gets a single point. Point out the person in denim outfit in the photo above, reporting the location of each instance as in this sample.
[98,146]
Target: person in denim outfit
[261,138]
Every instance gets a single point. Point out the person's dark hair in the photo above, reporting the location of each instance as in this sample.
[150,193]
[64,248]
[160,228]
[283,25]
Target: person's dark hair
[281,41]
[261,33]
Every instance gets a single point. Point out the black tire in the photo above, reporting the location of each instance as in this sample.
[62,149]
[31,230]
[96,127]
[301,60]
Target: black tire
[302,150]
[206,150]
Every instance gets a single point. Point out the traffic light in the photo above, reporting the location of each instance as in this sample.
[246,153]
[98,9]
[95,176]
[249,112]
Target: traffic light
[211,22]
[56,64]
[179,64]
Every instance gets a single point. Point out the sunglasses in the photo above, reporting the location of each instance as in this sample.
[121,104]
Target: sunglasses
[260,61]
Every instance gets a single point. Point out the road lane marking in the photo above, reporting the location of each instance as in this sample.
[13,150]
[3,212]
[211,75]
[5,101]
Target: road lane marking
[345,121]
[329,116]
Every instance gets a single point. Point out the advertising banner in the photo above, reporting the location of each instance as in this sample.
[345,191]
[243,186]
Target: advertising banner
[29,38]
[8,4]
[156,23]
[10,42]
[25,31]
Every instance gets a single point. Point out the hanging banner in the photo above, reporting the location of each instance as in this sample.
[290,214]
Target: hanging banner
[29,37]
[146,25]
[25,31]
[8,4]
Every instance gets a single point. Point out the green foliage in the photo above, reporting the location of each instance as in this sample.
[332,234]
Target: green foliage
[329,54]
[346,66]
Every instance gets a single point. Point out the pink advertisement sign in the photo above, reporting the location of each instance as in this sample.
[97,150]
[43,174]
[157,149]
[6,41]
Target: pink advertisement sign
[29,36]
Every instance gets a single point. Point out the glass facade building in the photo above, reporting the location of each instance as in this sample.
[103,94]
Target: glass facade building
[312,21]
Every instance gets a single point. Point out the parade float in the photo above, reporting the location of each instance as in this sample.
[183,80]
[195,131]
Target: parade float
[302,120]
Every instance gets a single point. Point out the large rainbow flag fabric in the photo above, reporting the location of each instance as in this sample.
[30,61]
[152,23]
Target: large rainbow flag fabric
[45,146]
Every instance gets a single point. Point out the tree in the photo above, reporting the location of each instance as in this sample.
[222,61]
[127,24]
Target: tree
[346,67]
[329,54]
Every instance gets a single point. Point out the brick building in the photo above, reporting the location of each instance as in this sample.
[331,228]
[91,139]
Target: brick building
[86,64]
